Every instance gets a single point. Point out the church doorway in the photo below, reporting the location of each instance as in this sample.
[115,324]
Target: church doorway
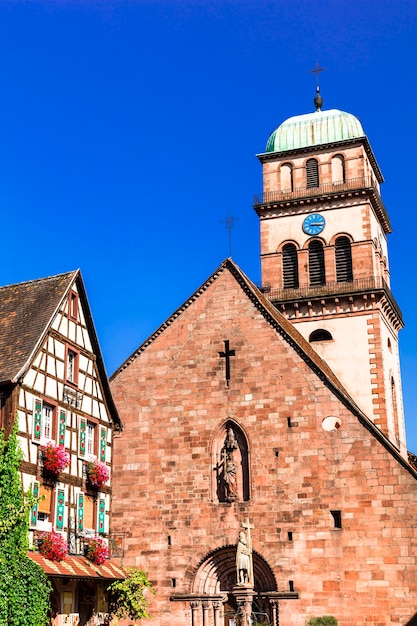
[216,577]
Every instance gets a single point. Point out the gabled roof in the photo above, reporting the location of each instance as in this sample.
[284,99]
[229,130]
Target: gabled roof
[286,329]
[27,311]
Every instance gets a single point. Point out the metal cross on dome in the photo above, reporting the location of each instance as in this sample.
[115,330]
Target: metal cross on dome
[317,71]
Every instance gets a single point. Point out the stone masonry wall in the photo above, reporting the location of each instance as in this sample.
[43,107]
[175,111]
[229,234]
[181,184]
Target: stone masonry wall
[173,399]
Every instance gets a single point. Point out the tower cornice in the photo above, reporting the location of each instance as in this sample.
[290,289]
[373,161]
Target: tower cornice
[264,157]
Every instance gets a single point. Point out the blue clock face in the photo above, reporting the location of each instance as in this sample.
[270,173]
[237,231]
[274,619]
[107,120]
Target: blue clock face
[313,224]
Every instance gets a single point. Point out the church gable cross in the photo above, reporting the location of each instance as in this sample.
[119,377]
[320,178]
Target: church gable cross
[226,354]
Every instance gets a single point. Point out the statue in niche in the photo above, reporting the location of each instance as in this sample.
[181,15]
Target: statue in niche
[244,561]
[230,467]
[230,478]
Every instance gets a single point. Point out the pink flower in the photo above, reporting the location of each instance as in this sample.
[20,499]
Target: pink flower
[55,458]
[97,550]
[53,546]
[97,473]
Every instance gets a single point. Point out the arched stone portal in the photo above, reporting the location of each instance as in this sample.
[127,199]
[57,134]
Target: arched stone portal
[214,593]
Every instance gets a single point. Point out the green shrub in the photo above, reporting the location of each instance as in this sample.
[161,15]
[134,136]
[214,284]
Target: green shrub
[326,620]
[24,587]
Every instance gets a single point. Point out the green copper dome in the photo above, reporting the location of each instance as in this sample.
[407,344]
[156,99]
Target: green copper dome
[314,129]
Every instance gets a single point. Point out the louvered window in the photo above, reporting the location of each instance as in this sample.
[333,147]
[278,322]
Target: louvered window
[290,266]
[316,263]
[312,173]
[343,255]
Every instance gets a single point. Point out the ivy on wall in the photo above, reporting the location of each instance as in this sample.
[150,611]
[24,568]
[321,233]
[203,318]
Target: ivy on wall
[24,587]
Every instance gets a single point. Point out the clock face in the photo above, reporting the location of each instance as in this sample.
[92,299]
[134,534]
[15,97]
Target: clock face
[313,224]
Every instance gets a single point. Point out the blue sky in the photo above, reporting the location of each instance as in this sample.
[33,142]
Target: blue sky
[128,132]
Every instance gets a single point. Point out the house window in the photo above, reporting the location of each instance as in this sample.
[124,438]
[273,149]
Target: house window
[89,512]
[72,366]
[312,173]
[90,438]
[44,422]
[290,266]
[73,306]
[47,420]
[343,257]
[316,263]
[45,503]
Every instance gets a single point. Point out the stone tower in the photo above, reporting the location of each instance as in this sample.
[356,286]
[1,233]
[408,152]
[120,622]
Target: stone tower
[324,255]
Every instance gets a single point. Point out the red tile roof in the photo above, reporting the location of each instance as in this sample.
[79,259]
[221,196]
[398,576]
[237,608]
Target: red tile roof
[77,567]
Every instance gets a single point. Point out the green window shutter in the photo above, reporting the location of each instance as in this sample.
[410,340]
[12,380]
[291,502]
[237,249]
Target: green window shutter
[80,512]
[34,511]
[37,420]
[82,434]
[60,508]
[62,427]
[103,444]
[101,515]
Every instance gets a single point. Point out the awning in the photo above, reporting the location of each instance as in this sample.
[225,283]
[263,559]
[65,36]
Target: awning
[77,567]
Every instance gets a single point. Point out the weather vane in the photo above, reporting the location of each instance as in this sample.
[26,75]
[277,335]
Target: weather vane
[229,223]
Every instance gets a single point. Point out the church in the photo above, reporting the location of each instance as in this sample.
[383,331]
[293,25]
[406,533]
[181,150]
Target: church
[262,475]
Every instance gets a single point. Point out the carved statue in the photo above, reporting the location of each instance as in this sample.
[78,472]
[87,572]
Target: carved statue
[230,468]
[243,561]
[230,478]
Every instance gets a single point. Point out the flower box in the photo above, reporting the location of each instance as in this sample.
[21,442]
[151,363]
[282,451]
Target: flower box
[96,550]
[53,546]
[97,474]
[55,458]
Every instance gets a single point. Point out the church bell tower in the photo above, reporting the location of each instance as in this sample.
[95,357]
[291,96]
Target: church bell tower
[324,255]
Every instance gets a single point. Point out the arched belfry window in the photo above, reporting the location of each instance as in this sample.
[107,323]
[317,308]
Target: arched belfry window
[343,256]
[316,267]
[312,173]
[231,464]
[338,169]
[290,266]
[286,177]
[320,335]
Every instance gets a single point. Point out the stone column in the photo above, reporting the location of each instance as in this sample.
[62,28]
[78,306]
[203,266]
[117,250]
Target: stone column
[244,598]
[206,607]
[275,612]
[195,610]
[216,609]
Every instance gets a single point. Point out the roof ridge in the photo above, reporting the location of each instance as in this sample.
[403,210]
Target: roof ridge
[38,280]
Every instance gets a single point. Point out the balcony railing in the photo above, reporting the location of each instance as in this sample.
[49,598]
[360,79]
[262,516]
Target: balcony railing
[272,197]
[305,292]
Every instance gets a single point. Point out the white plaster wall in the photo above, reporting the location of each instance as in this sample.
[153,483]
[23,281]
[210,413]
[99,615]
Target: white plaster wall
[347,354]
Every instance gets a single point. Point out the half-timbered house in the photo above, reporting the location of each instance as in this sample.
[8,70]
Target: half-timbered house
[53,381]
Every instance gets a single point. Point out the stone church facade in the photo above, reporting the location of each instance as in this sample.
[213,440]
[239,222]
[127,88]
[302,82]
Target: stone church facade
[253,481]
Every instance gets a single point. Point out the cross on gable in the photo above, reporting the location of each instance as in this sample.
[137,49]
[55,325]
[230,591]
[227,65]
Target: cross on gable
[226,354]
